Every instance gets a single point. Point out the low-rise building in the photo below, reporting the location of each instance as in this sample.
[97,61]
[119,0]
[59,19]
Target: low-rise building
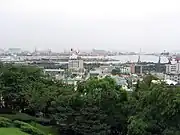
[173,77]
[125,70]
[173,68]
[149,68]
[173,72]
[96,72]
[57,73]
[75,63]
[107,69]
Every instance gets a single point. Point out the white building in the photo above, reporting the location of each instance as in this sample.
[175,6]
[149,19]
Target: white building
[173,72]
[107,69]
[125,70]
[75,63]
[57,73]
[170,82]
[173,68]
[173,77]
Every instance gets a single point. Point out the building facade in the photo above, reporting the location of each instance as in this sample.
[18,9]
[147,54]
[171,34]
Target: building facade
[173,68]
[125,70]
[148,68]
[75,64]
[173,77]
[173,72]
[57,73]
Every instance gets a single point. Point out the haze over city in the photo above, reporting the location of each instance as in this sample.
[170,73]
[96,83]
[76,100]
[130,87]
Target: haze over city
[103,24]
[89,67]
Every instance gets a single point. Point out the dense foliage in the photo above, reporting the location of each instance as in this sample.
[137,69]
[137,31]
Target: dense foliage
[27,89]
[27,128]
[4,122]
[97,107]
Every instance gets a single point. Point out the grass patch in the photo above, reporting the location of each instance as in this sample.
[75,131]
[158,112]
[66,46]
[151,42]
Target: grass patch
[11,131]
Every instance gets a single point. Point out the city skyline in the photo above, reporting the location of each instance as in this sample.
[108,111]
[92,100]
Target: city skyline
[128,25]
[84,50]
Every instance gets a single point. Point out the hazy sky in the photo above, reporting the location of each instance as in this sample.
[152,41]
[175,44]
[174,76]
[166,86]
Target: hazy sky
[152,25]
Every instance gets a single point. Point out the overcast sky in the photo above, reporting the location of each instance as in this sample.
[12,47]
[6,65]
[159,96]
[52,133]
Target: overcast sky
[152,25]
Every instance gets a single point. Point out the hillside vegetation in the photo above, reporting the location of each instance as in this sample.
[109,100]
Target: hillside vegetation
[97,107]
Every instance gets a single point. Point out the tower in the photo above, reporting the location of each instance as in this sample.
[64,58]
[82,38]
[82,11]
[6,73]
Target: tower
[158,68]
[139,57]
[159,61]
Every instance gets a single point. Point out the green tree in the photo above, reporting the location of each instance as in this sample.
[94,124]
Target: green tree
[97,107]
[156,110]
[24,87]
[115,71]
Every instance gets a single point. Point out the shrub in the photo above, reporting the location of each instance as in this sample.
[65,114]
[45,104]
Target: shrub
[18,123]
[5,122]
[26,118]
[25,127]
[18,116]
[31,130]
